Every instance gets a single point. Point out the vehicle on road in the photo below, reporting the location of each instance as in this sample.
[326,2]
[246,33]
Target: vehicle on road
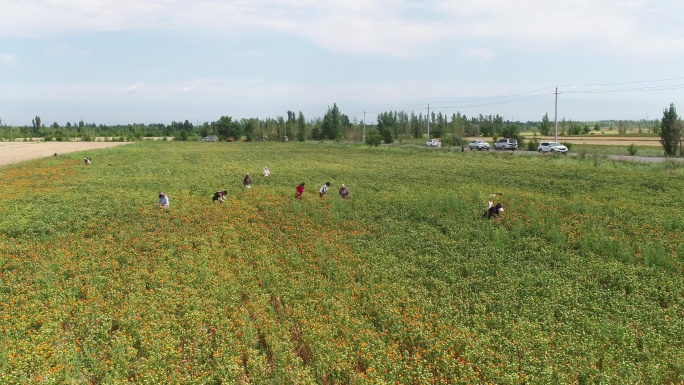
[479,145]
[552,147]
[433,143]
[506,144]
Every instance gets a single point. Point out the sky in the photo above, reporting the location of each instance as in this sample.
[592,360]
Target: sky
[158,61]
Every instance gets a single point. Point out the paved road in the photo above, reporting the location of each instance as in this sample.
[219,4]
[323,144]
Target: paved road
[626,158]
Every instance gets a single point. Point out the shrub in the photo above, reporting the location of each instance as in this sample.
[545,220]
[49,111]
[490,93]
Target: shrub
[598,159]
[568,145]
[373,138]
[632,149]
[453,140]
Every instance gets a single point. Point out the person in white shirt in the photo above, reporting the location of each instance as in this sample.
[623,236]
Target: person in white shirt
[267,172]
[163,201]
[324,190]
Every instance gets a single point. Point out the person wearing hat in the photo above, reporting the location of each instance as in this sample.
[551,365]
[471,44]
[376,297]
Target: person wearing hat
[163,201]
[247,181]
[300,190]
[324,190]
[344,192]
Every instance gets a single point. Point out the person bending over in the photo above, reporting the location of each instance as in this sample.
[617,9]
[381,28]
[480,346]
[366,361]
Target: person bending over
[344,192]
[324,190]
[220,196]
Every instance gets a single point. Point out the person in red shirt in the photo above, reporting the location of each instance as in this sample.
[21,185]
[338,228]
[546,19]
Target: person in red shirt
[300,190]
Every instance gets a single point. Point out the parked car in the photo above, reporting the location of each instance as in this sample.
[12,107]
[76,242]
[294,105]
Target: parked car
[479,145]
[506,144]
[552,147]
[433,143]
[210,138]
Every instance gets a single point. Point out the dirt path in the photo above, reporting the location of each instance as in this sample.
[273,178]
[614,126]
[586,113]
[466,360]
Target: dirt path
[12,152]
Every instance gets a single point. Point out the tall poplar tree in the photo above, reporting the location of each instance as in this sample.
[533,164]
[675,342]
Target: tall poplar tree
[670,131]
[545,126]
[301,127]
[332,123]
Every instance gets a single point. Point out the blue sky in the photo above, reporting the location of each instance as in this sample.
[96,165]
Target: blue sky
[157,61]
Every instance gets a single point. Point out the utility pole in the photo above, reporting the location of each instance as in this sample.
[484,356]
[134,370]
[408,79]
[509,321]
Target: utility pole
[363,138]
[428,119]
[555,117]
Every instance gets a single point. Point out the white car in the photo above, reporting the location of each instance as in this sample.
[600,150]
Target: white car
[552,147]
[479,145]
[506,144]
[433,143]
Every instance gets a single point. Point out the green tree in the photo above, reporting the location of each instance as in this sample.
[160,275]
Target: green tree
[670,131]
[511,131]
[36,125]
[291,125]
[250,126]
[227,128]
[387,121]
[416,128]
[486,125]
[301,127]
[332,123]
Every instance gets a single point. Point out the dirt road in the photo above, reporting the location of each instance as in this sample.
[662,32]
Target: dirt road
[12,152]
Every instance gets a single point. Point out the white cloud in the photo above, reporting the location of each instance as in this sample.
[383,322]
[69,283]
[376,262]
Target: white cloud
[7,58]
[387,27]
[134,87]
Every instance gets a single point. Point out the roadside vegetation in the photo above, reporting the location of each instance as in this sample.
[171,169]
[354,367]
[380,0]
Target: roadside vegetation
[404,283]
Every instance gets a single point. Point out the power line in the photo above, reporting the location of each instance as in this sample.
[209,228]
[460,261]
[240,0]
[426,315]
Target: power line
[537,94]
[619,83]
[634,89]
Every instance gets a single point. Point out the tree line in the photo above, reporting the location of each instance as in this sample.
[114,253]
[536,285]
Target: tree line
[388,127]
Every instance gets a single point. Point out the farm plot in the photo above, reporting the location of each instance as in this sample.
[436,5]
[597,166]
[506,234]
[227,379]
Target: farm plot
[405,282]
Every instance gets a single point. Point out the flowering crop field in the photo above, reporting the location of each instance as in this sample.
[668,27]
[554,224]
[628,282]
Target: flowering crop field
[404,283]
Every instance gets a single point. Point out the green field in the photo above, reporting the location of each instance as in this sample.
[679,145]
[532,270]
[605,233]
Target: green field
[405,283]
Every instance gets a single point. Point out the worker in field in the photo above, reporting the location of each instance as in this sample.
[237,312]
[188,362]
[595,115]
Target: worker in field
[344,192]
[494,210]
[247,181]
[163,201]
[220,196]
[300,190]
[323,191]
[267,172]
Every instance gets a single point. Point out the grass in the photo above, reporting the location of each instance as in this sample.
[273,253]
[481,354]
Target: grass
[404,283]
[616,150]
